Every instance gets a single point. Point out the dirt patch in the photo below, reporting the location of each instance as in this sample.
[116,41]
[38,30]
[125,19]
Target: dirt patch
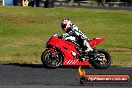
[121,50]
[25,41]
[20,21]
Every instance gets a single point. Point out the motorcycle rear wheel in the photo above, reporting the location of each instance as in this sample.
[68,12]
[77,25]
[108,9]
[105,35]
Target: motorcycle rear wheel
[102,59]
[51,59]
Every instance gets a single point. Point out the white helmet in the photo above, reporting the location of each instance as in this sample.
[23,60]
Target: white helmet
[66,24]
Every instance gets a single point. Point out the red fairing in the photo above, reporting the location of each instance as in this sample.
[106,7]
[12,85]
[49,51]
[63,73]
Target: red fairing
[67,48]
[96,41]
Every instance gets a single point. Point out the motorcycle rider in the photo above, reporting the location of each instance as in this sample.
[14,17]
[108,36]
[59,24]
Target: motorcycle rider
[72,32]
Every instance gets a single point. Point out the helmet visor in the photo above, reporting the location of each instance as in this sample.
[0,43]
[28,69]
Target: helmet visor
[63,26]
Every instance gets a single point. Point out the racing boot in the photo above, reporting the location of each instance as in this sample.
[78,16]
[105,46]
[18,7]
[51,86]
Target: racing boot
[92,54]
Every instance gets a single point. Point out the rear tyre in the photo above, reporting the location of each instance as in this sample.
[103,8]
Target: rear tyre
[51,59]
[101,60]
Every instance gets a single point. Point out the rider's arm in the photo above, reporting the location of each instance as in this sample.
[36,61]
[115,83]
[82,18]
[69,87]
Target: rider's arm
[78,32]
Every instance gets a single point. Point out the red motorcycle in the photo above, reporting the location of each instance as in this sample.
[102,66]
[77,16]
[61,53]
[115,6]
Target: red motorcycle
[60,52]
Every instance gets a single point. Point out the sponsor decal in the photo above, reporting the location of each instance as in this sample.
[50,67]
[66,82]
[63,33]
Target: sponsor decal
[71,62]
[85,78]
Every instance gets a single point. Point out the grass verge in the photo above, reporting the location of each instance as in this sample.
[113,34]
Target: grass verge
[25,30]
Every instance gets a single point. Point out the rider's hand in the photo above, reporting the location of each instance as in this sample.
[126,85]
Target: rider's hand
[65,35]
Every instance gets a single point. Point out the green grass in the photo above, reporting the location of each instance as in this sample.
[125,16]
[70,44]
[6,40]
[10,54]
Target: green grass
[25,30]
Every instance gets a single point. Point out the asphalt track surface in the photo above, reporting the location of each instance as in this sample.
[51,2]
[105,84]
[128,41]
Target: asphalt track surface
[38,76]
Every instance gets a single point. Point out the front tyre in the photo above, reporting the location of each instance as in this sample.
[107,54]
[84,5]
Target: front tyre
[51,58]
[101,60]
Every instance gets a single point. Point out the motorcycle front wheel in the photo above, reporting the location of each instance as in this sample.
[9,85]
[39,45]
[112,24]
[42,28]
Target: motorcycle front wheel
[51,59]
[101,60]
